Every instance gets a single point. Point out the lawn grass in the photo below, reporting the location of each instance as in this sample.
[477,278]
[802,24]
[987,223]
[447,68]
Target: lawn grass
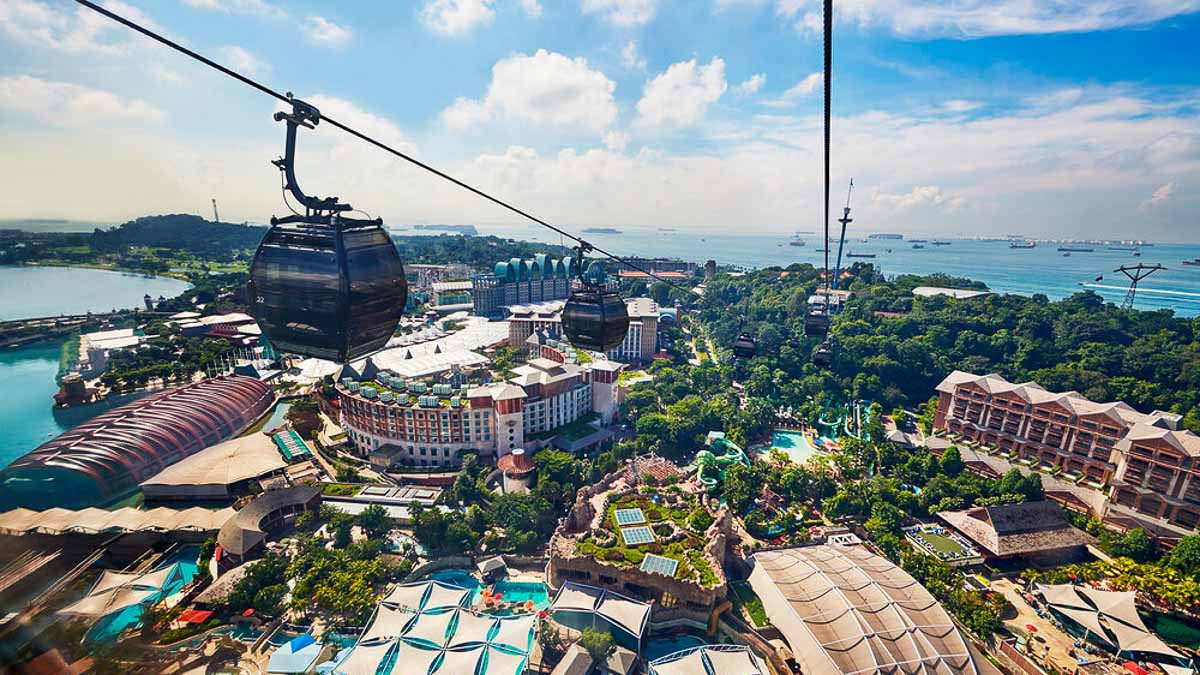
[747,598]
[943,544]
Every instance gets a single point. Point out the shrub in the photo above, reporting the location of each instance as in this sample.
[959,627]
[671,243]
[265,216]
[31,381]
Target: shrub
[614,555]
[699,519]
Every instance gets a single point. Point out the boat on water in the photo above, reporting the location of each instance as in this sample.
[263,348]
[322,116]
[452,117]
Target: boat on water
[885,235]
[821,250]
[860,255]
[940,243]
[1122,248]
[918,245]
[1074,249]
[919,241]
[796,242]
[1026,244]
[1193,262]
[1067,254]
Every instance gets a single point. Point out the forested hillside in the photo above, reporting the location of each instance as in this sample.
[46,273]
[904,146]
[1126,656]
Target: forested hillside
[894,348]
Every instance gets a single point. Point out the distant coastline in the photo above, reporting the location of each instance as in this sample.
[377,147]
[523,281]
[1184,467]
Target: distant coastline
[459,229]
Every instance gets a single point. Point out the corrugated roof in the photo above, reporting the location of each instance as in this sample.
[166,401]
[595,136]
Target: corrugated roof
[1018,529]
[844,609]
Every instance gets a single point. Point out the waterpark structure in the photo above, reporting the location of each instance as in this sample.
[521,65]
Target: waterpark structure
[715,460]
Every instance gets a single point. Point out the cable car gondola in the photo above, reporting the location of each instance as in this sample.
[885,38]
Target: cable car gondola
[595,317]
[823,357]
[321,284]
[745,346]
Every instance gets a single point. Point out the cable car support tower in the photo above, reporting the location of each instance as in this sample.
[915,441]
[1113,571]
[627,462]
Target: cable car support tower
[1136,273]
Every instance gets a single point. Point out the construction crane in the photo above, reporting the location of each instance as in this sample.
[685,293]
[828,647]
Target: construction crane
[216,217]
[844,220]
[1136,273]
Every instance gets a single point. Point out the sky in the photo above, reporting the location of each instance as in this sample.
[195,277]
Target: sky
[1073,118]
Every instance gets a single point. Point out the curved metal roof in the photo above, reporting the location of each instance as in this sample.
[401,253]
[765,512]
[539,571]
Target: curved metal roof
[122,447]
[846,610]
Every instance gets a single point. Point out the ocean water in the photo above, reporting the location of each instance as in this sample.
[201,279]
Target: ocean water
[27,292]
[27,391]
[1023,271]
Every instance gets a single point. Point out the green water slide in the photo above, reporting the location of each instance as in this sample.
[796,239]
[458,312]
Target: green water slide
[712,462]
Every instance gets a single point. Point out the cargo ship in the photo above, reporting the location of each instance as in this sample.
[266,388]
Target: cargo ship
[860,255]
[935,242]
[1195,261]
[885,235]
[1026,244]
[1073,249]
[918,245]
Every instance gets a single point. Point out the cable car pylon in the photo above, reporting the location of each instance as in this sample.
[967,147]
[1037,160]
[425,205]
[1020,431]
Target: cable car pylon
[1136,273]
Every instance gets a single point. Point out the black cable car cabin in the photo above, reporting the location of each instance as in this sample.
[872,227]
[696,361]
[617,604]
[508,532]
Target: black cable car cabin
[595,317]
[323,285]
[745,346]
[823,357]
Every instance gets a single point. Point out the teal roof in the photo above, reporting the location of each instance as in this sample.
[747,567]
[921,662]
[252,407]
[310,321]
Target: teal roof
[291,445]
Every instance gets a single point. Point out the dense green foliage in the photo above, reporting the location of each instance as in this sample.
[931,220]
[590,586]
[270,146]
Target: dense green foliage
[979,612]
[1151,360]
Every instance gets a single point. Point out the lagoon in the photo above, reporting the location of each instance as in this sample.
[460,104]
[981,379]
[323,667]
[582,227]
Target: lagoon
[27,292]
[27,388]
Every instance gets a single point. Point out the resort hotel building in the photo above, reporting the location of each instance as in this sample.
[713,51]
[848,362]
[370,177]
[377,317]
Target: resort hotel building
[398,421]
[1148,466]
[531,326]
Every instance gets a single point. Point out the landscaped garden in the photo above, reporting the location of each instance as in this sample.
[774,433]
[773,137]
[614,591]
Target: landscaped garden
[657,529]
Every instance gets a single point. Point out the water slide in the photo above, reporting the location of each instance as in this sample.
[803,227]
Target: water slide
[712,462]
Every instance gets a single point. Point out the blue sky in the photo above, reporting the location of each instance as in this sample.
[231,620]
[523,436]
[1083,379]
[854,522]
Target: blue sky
[1073,118]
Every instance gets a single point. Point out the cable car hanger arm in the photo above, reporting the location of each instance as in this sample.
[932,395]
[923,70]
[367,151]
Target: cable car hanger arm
[359,135]
[303,115]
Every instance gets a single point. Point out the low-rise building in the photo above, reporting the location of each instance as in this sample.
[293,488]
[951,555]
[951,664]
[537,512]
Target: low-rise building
[434,425]
[1026,530]
[531,326]
[1151,464]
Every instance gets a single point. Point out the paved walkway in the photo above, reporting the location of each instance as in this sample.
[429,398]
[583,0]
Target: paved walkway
[1048,642]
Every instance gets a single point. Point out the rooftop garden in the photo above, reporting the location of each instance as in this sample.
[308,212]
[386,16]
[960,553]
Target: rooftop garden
[571,432]
[673,521]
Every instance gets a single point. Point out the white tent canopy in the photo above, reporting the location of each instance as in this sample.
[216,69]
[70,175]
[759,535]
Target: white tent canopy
[115,591]
[617,610]
[1109,615]
[709,660]
[433,631]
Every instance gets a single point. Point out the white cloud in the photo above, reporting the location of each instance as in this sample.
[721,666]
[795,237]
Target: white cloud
[960,106]
[245,7]
[680,96]
[465,113]
[545,89]
[67,104]
[630,58]
[622,12]
[456,17]
[242,61]
[1160,197]
[752,84]
[42,25]
[805,87]
[324,32]
[616,141]
[981,18]
[164,75]
[922,195]
[532,7]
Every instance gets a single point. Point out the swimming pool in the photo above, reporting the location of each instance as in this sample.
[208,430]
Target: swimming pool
[794,444]
[458,577]
[108,628]
[519,592]
[656,648]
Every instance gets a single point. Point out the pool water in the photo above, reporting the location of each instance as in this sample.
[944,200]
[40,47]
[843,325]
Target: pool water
[108,628]
[794,444]
[459,577]
[656,648]
[519,592]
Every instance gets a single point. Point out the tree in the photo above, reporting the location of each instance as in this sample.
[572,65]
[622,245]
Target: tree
[375,521]
[951,463]
[599,644]
[1185,557]
[741,486]
[1134,544]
